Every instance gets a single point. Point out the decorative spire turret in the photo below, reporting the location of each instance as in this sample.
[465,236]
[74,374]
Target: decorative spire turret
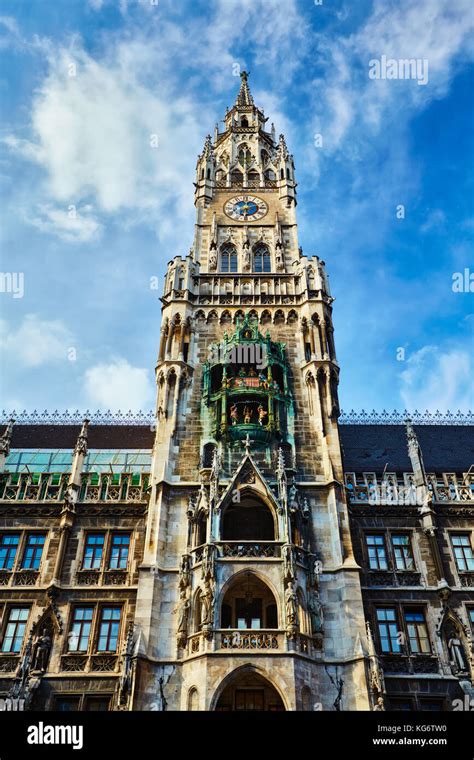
[5,442]
[244,98]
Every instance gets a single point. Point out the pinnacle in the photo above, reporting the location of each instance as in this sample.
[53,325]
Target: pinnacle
[244,98]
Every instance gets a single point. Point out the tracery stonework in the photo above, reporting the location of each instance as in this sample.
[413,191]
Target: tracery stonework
[224,557]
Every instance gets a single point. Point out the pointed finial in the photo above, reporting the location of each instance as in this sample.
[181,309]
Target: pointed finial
[247,444]
[6,438]
[244,98]
[81,443]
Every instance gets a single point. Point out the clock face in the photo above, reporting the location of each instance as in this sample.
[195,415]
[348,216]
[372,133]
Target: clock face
[245,208]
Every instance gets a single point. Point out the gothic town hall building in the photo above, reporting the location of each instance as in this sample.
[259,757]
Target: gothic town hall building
[246,547]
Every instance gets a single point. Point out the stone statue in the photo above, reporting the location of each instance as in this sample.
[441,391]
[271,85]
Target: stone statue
[315,609]
[41,651]
[291,605]
[212,261]
[207,604]
[184,572]
[288,563]
[246,260]
[183,617]
[207,565]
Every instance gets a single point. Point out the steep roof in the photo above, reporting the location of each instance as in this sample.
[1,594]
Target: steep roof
[368,448]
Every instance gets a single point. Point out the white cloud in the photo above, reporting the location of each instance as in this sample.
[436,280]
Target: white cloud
[93,123]
[35,342]
[435,220]
[436,30]
[436,378]
[69,224]
[118,385]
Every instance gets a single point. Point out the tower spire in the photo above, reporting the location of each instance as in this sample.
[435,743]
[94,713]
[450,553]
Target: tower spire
[244,98]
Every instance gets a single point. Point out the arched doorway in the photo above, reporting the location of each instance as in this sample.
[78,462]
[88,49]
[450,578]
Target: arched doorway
[249,691]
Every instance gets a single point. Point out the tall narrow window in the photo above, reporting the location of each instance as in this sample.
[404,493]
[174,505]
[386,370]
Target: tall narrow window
[261,258]
[80,629]
[417,632]
[463,552]
[109,629]
[228,258]
[388,630]
[93,551]
[8,549]
[471,618]
[33,551]
[15,629]
[377,552]
[119,551]
[403,552]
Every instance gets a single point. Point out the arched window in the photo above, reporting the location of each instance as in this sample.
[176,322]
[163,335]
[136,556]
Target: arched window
[228,258]
[261,258]
[288,174]
[193,699]
[248,604]
[282,174]
[248,520]
[208,174]
[244,122]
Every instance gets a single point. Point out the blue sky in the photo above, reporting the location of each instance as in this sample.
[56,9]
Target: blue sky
[90,211]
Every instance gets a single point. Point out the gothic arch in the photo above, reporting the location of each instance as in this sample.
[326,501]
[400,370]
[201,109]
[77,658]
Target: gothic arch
[250,669]
[279,317]
[193,699]
[250,495]
[235,578]
[455,642]
[266,316]
[226,316]
[292,317]
[212,316]
[261,257]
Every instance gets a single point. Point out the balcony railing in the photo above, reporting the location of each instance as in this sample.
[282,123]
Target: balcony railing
[244,549]
[396,489]
[23,486]
[51,486]
[252,640]
[117,487]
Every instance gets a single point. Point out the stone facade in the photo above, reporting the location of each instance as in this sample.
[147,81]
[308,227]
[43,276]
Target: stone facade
[218,560]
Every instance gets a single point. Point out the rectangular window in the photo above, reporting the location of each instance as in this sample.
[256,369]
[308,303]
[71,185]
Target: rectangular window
[97,704]
[400,705]
[417,632]
[403,552]
[8,549]
[67,704]
[119,551]
[377,552]
[93,551]
[15,629]
[33,551]
[109,629]
[80,629]
[388,630]
[463,552]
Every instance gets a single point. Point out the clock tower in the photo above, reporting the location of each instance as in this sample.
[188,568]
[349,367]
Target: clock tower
[249,595]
